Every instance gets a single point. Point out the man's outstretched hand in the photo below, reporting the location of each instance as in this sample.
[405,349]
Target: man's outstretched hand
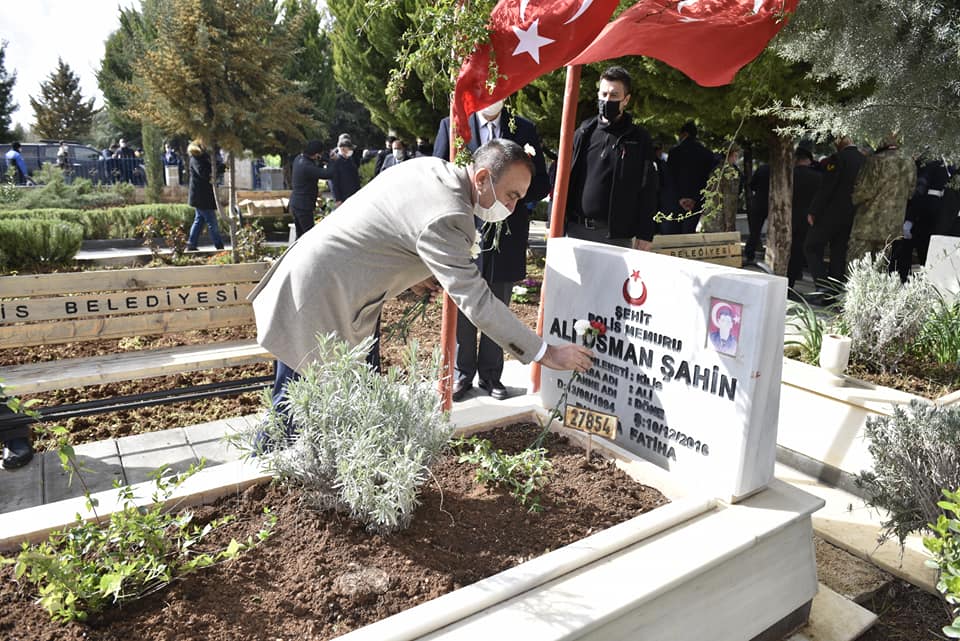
[428,286]
[567,357]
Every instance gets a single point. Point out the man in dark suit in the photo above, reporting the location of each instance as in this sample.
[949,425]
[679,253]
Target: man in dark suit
[831,215]
[806,183]
[503,259]
[690,165]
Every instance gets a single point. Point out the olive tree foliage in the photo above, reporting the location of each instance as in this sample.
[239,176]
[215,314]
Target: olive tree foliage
[214,69]
[902,55]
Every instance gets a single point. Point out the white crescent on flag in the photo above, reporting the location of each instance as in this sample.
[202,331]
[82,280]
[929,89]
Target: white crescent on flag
[586,5]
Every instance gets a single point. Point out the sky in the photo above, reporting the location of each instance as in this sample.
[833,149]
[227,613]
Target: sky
[38,32]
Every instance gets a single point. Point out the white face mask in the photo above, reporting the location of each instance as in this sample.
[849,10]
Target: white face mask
[495,212]
[346,152]
[493,110]
[398,154]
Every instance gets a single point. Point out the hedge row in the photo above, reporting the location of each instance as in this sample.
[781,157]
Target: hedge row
[101,224]
[38,245]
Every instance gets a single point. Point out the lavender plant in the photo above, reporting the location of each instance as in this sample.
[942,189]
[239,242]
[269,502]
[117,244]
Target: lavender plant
[364,442]
[916,453]
[882,316]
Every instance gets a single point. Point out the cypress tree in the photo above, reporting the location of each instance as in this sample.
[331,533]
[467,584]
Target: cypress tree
[61,111]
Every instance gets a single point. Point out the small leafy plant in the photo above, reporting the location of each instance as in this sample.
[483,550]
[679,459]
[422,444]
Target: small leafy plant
[939,337]
[522,474]
[807,331]
[173,236]
[83,569]
[944,545]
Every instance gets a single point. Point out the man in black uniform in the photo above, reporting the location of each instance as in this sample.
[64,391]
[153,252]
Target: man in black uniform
[831,215]
[690,164]
[307,170]
[613,182]
[806,183]
[923,215]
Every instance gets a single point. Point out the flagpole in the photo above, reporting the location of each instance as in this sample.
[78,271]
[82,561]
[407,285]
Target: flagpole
[448,317]
[571,94]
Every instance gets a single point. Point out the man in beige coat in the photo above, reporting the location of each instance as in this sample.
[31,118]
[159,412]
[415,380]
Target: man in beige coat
[407,227]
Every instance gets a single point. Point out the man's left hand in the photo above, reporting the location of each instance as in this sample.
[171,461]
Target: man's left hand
[428,286]
[641,244]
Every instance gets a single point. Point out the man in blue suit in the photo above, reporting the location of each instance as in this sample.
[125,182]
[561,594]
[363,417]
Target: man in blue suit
[503,260]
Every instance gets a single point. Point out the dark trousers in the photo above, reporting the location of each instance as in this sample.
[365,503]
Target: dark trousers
[302,221]
[798,237]
[755,219]
[487,360]
[818,237]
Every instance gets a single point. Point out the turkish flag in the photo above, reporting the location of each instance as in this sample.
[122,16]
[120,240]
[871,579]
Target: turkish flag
[709,40]
[529,39]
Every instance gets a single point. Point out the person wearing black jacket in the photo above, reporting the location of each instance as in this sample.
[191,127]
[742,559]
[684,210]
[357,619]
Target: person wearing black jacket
[303,196]
[201,197]
[613,186]
[831,215]
[503,260]
[806,183]
[690,164]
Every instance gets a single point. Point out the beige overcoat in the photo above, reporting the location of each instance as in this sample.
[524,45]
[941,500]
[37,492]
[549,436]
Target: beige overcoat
[411,222]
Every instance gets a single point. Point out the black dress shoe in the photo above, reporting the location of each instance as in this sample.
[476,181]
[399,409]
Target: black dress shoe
[460,389]
[495,388]
[17,452]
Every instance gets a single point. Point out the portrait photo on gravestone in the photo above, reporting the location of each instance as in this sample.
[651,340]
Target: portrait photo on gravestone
[687,360]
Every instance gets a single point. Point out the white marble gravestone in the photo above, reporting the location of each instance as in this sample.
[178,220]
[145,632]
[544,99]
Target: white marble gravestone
[690,362]
[943,266]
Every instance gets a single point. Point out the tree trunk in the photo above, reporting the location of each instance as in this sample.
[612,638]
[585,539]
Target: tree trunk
[153,159]
[747,176]
[780,205]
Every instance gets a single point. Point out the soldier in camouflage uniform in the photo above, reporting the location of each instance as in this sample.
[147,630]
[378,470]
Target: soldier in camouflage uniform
[720,208]
[880,196]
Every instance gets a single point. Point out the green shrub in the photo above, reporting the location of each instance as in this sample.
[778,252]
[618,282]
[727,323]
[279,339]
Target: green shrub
[883,317]
[364,441]
[916,453]
[54,192]
[30,245]
[944,545]
[101,224]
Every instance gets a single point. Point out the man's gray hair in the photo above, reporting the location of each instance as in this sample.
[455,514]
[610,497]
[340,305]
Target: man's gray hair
[498,154]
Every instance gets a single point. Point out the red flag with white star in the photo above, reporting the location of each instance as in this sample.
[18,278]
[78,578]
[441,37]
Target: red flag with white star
[529,38]
[708,40]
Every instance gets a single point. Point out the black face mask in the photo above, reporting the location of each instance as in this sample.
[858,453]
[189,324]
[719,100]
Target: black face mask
[609,109]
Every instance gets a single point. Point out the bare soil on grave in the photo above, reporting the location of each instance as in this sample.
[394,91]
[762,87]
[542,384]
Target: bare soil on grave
[906,612]
[303,584]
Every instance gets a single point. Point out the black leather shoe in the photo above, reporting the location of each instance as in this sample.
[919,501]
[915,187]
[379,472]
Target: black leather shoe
[495,388]
[460,389]
[17,452]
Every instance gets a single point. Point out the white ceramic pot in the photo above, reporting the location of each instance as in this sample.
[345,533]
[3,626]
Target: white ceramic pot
[835,353]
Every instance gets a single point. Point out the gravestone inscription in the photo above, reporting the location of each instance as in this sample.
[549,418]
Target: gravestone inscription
[687,355]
